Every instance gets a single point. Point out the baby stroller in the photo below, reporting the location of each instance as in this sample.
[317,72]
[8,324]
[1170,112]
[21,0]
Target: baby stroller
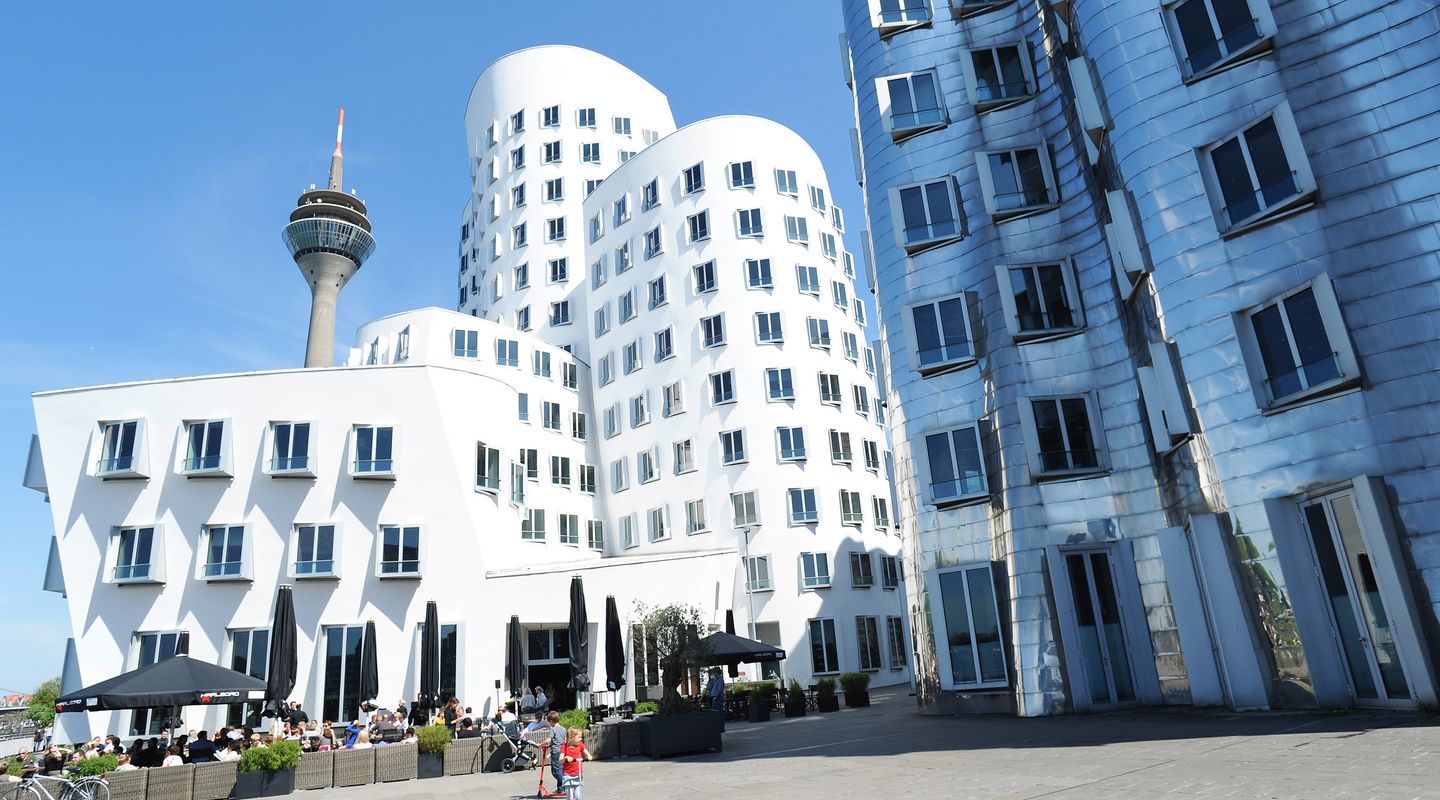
[524,753]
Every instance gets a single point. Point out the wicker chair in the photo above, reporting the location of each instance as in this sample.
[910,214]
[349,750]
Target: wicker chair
[355,767]
[127,785]
[170,783]
[462,757]
[396,762]
[215,781]
[315,771]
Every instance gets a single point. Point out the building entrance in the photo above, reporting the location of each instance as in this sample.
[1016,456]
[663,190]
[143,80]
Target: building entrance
[1108,677]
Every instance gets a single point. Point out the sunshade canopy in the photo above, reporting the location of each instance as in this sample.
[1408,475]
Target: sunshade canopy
[178,681]
[727,648]
[579,637]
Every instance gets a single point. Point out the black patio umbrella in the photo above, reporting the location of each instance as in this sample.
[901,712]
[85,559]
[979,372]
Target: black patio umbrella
[430,658]
[579,638]
[727,648]
[730,629]
[182,644]
[280,670]
[614,648]
[514,658]
[369,667]
[178,681]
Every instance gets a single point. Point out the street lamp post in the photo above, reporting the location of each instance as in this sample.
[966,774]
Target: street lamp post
[749,592]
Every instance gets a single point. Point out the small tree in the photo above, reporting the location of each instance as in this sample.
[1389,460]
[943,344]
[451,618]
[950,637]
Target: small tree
[674,631]
[42,702]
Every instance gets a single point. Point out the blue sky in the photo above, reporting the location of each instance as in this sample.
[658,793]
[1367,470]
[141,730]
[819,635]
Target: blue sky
[150,154]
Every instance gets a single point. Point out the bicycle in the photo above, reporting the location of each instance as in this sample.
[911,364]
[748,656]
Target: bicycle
[92,787]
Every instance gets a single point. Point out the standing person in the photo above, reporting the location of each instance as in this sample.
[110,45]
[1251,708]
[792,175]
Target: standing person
[542,700]
[49,733]
[451,714]
[39,743]
[716,690]
[571,754]
[554,743]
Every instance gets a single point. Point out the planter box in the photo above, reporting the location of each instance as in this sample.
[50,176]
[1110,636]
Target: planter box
[396,762]
[354,767]
[462,757]
[170,783]
[758,712]
[828,704]
[794,708]
[672,734]
[493,750]
[263,783]
[215,780]
[127,785]
[860,699]
[430,765]
[315,771]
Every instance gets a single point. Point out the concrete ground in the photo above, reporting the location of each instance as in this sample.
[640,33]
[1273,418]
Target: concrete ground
[888,750]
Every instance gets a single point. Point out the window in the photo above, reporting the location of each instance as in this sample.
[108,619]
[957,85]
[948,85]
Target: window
[926,215]
[797,230]
[569,529]
[840,295]
[203,449]
[778,384]
[290,451]
[869,361]
[137,555]
[999,76]
[224,553]
[466,344]
[732,447]
[626,155]
[550,152]
[399,550]
[673,398]
[697,227]
[373,450]
[895,632]
[722,387]
[899,15]
[619,475]
[550,416]
[541,363]
[517,195]
[1065,438]
[560,470]
[560,313]
[941,332]
[627,531]
[591,184]
[967,622]
[862,400]
[757,574]
[1016,182]
[612,421]
[881,506]
[487,468]
[490,138]
[659,523]
[1041,299]
[639,410]
[684,456]
[692,179]
[402,344]
[587,478]
[819,330]
[597,274]
[622,125]
[1258,173]
[803,510]
[757,273]
[840,452]
[590,153]
[517,483]
[118,442]
[745,509]
[742,175]
[550,117]
[555,229]
[837,221]
[532,525]
[314,551]
[751,225]
[664,345]
[623,261]
[607,370]
[712,331]
[814,570]
[767,327]
[827,245]
[808,279]
[872,453]
[646,468]
[830,388]
[1211,35]
[867,638]
[627,306]
[595,534]
[517,158]
[522,276]
[649,136]
[569,375]
[704,277]
[853,513]
[785,182]
[517,121]
[630,357]
[790,443]
[555,192]
[1296,346]
[622,210]
[657,293]
[585,118]
[650,195]
[507,352]
[531,459]
[151,648]
[824,647]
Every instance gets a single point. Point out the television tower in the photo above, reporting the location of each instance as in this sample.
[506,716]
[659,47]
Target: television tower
[329,238]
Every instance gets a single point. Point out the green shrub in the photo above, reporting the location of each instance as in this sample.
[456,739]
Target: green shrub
[283,754]
[575,718]
[287,754]
[797,692]
[647,708]
[855,681]
[825,687]
[15,767]
[738,688]
[433,738]
[95,765]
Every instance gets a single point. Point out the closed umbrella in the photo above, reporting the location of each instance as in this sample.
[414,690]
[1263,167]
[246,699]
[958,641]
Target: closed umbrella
[430,658]
[614,648]
[514,658]
[182,644]
[280,670]
[369,668]
[734,669]
[579,639]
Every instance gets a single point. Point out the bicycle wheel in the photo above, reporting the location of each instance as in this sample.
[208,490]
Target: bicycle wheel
[21,791]
[87,789]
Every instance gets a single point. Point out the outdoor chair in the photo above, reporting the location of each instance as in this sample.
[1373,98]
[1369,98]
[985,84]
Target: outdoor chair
[315,771]
[128,785]
[170,783]
[396,762]
[215,780]
[462,757]
[355,767]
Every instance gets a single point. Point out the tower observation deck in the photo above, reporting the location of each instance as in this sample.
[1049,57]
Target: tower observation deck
[329,238]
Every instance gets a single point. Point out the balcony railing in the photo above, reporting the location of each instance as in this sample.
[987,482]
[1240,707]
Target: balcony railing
[201,463]
[1304,376]
[291,464]
[1229,43]
[132,572]
[120,464]
[1065,460]
[224,569]
[1000,92]
[1025,198]
[1261,199]
[967,485]
[377,466]
[316,568]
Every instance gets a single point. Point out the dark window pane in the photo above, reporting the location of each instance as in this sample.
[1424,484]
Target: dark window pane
[942,217]
[959,642]
[942,467]
[1274,345]
[1057,305]
[1077,428]
[1197,33]
[1317,357]
[1029,314]
[1052,441]
[956,341]
[1267,153]
[1236,187]
[987,624]
[927,334]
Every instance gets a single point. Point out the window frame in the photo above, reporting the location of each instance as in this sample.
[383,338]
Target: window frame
[1070,284]
[401,572]
[813,581]
[204,564]
[912,335]
[1297,159]
[1261,15]
[1030,429]
[926,476]
[293,565]
[987,182]
[931,240]
[972,79]
[938,625]
[354,462]
[1336,331]
[305,469]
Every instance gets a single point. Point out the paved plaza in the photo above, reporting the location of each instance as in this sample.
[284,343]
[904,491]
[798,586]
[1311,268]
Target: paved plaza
[888,750]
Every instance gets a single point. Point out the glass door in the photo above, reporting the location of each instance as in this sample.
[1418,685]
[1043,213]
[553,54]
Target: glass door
[1105,656]
[1358,616]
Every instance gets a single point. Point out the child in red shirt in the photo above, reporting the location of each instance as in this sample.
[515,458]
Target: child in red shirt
[571,754]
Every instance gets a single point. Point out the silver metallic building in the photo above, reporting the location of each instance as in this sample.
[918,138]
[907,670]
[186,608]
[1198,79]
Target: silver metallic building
[1158,292]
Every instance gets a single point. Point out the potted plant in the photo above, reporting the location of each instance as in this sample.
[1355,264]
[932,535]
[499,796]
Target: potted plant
[267,771]
[761,697]
[96,765]
[673,634]
[825,698]
[857,689]
[795,700]
[432,741]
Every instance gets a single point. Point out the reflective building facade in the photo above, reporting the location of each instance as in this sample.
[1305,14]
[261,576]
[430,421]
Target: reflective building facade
[1158,294]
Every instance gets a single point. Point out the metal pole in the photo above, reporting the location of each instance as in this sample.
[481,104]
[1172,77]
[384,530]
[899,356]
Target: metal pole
[749,594]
